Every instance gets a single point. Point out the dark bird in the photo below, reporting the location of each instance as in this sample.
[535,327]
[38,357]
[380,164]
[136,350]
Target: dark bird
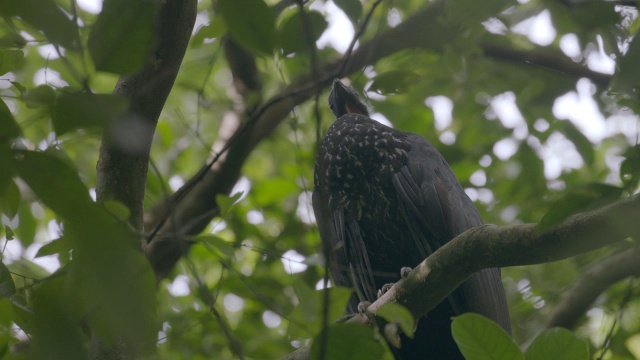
[385,199]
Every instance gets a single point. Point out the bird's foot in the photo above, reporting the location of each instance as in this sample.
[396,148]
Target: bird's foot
[384,289]
[362,307]
[405,271]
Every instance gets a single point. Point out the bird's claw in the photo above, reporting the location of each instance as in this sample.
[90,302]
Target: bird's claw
[362,307]
[405,271]
[384,289]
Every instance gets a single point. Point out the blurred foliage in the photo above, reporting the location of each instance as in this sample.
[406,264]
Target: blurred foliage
[249,283]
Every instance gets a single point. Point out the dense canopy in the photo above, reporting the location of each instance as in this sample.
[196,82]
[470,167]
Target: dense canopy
[156,167]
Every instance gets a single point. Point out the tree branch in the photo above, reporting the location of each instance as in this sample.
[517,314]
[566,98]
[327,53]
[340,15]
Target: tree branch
[594,281]
[490,246]
[122,165]
[542,57]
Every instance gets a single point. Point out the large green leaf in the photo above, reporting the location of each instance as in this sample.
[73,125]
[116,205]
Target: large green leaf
[10,199]
[9,129]
[9,60]
[628,76]
[393,82]
[292,33]
[119,299]
[479,338]
[54,182]
[310,309]
[558,344]
[78,111]
[26,231]
[251,23]
[56,333]
[46,16]
[40,96]
[7,287]
[55,246]
[630,167]
[353,342]
[120,39]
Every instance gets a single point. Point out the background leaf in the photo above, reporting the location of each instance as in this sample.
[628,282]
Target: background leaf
[559,344]
[347,340]
[480,338]
[251,23]
[83,111]
[121,38]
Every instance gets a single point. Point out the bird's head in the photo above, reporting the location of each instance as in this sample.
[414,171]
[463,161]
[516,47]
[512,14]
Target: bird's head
[344,100]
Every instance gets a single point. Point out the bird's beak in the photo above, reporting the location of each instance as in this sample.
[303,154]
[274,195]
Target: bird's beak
[343,100]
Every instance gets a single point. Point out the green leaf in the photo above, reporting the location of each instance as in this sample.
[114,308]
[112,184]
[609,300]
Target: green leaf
[218,243]
[225,203]
[9,60]
[628,77]
[118,209]
[393,82]
[213,30]
[10,200]
[118,301]
[594,14]
[12,40]
[57,333]
[292,33]
[6,167]
[45,16]
[310,307]
[56,246]
[28,269]
[353,342]
[6,313]
[588,197]
[479,338]
[630,167]
[22,314]
[19,87]
[121,38]
[274,190]
[9,233]
[26,231]
[9,129]
[251,23]
[398,314]
[7,287]
[81,111]
[54,182]
[353,9]
[558,344]
[40,96]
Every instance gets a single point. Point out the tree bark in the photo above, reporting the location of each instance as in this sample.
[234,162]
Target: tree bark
[122,166]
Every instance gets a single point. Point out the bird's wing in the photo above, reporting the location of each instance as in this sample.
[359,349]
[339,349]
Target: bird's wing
[332,243]
[436,209]
[343,242]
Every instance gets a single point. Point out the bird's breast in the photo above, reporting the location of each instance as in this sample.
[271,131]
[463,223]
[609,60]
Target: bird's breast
[357,159]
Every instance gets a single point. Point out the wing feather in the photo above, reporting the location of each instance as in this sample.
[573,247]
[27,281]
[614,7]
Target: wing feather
[436,209]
